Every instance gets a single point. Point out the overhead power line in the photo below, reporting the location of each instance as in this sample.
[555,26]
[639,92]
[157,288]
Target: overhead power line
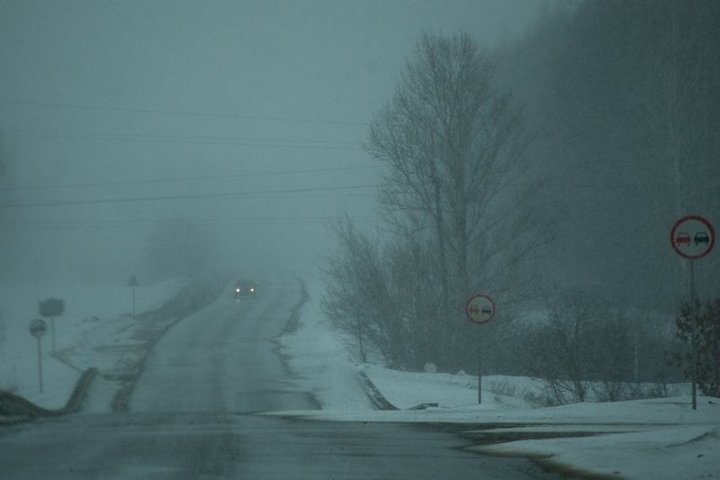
[255,221]
[190,139]
[188,179]
[106,108]
[199,196]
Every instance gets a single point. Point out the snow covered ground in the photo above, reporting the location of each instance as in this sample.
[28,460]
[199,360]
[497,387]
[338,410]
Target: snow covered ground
[95,315]
[645,439]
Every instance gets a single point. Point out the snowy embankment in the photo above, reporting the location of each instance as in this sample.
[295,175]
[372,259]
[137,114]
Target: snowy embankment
[94,328]
[643,439]
[317,355]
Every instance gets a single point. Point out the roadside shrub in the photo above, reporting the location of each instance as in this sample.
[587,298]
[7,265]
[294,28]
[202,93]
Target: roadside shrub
[701,335]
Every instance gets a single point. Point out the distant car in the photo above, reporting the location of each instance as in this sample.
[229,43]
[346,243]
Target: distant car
[244,288]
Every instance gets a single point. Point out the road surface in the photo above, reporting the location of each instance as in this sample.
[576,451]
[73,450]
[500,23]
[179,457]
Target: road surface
[223,359]
[192,417]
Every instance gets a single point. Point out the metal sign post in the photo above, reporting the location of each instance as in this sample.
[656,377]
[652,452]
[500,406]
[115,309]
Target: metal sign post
[38,328]
[479,368]
[40,371]
[51,308]
[480,309]
[694,336]
[693,237]
[133,283]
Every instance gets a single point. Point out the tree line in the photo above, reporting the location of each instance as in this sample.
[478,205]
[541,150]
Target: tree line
[546,173]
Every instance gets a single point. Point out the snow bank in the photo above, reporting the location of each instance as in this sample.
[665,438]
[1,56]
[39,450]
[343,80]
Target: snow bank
[642,439]
[319,358]
[94,315]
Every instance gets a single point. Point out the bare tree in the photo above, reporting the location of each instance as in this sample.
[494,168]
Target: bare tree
[357,296]
[451,141]
[454,144]
[700,332]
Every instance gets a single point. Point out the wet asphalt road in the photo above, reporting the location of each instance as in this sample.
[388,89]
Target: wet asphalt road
[225,446]
[192,417]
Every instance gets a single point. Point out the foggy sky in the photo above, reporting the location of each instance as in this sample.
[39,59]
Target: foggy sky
[253,110]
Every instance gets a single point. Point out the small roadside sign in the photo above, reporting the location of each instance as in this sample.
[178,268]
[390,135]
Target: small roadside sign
[692,237]
[38,327]
[480,308]
[52,307]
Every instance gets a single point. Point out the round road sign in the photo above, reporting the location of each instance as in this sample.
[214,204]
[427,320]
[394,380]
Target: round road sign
[692,237]
[480,308]
[38,327]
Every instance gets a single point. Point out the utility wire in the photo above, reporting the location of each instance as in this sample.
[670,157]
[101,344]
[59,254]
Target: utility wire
[200,196]
[314,220]
[191,140]
[187,179]
[273,118]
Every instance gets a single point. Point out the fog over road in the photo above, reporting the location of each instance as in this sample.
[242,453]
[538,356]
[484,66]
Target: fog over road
[191,417]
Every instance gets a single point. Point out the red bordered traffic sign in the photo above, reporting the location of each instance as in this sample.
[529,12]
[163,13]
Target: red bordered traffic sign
[692,237]
[480,308]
